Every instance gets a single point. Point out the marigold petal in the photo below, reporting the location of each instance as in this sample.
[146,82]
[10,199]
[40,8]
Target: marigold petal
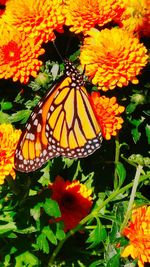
[8,142]
[19,58]
[112,58]
[37,18]
[138,232]
[83,15]
[107,111]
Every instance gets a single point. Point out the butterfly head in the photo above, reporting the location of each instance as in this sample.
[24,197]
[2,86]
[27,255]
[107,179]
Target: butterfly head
[71,71]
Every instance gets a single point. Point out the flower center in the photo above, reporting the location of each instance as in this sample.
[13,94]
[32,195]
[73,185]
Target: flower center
[11,52]
[68,200]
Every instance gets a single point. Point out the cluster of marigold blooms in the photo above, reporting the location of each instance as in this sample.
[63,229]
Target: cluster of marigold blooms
[113,56]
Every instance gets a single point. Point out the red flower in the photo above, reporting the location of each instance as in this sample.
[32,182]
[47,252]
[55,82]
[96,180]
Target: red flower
[74,201]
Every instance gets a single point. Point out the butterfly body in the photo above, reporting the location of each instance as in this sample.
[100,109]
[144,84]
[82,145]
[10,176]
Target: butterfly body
[63,123]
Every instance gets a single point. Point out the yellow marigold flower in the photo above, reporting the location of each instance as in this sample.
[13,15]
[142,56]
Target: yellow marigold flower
[8,142]
[37,17]
[138,232]
[7,30]
[112,58]
[19,58]
[74,200]
[136,17]
[107,112]
[83,15]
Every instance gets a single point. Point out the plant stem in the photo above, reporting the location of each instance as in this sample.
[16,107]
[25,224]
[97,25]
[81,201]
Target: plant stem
[132,197]
[117,153]
[92,215]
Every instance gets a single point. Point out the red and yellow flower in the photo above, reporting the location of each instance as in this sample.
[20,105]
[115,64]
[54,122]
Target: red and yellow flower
[74,201]
[19,58]
[8,142]
[108,114]
[112,58]
[138,233]
[82,15]
[136,17]
[37,18]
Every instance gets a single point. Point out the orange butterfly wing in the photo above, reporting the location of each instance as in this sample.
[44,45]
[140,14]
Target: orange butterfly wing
[63,123]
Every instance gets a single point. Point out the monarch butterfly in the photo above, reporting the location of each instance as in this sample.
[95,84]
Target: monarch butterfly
[63,123]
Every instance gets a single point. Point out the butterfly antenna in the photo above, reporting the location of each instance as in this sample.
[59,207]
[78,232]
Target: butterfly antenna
[58,51]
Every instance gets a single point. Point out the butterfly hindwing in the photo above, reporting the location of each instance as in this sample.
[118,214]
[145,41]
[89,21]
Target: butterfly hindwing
[63,123]
[33,149]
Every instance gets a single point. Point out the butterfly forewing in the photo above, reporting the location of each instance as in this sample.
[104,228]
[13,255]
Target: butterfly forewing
[63,123]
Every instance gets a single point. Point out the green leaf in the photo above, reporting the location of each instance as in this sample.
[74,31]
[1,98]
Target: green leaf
[26,259]
[7,228]
[45,178]
[136,135]
[4,118]
[6,105]
[114,261]
[50,235]
[97,235]
[36,211]
[130,108]
[42,243]
[60,234]
[21,115]
[27,230]
[121,172]
[97,263]
[68,162]
[51,208]
[147,129]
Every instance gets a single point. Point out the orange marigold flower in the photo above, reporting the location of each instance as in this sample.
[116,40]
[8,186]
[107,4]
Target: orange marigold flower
[37,18]
[83,15]
[138,232]
[8,142]
[74,201]
[136,17]
[19,58]
[112,58]
[107,112]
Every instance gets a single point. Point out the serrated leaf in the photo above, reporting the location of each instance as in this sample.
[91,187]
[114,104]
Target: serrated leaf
[130,108]
[51,208]
[60,234]
[4,118]
[68,162]
[114,261]
[7,228]
[136,135]
[36,211]
[97,235]
[21,116]
[26,259]
[137,122]
[147,129]
[121,172]
[42,243]
[45,178]
[27,230]
[50,235]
